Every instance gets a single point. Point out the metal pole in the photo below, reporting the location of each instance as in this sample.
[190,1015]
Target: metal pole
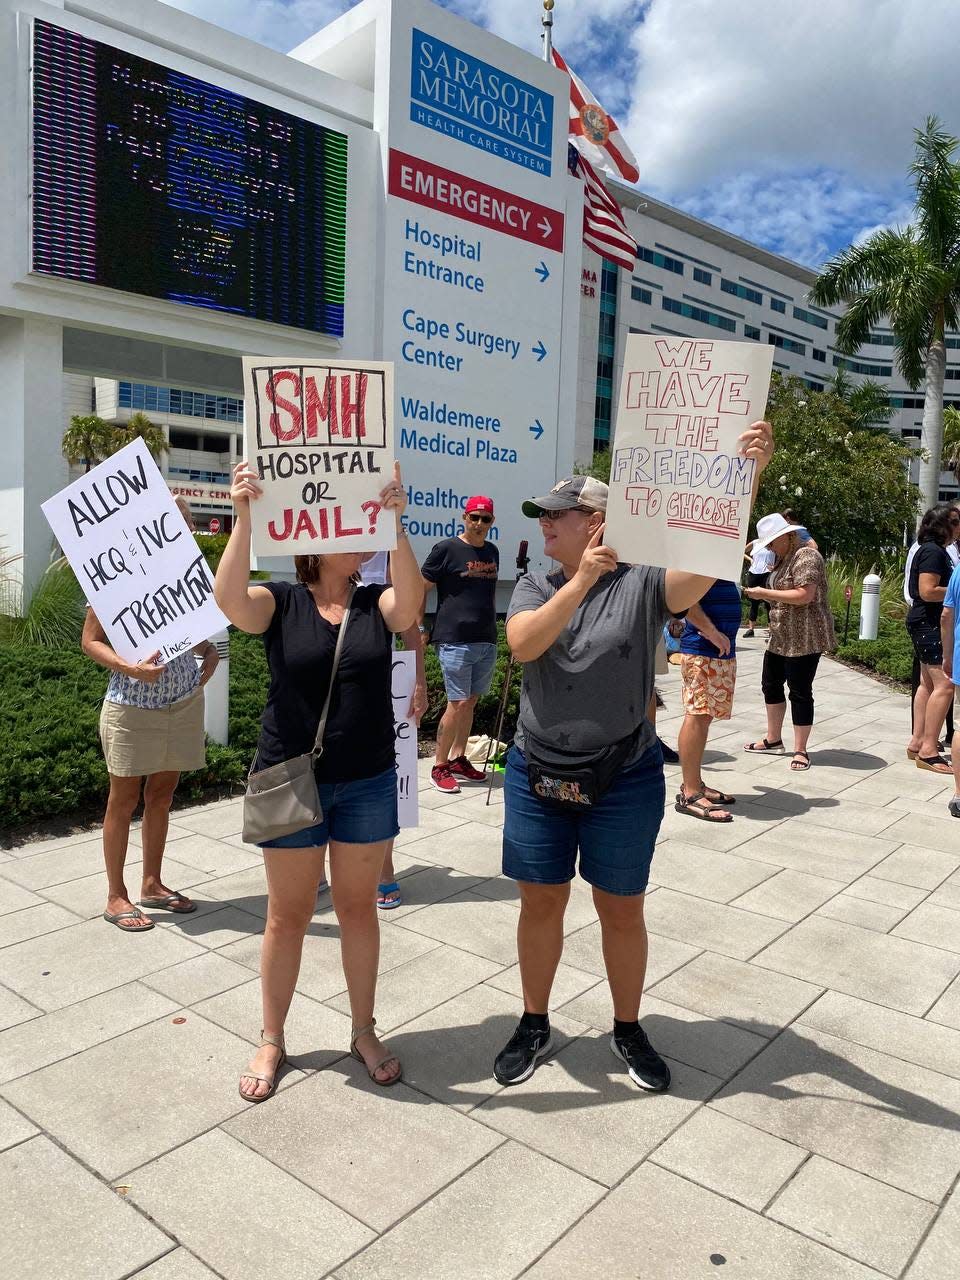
[547,22]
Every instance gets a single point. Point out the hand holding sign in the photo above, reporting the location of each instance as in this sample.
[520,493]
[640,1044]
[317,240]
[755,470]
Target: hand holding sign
[595,561]
[244,487]
[393,496]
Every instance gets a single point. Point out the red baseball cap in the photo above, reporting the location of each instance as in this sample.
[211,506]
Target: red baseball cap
[479,503]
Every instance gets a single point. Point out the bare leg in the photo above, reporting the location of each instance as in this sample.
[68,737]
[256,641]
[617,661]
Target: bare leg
[692,742]
[540,940]
[920,700]
[624,935]
[158,792]
[938,704]
[121,805]
[292,876]
[447,731]
[464,727]
[775,715]
[388,875]
[355,868]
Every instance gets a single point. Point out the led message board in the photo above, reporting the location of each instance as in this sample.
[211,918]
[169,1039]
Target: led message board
[154,182]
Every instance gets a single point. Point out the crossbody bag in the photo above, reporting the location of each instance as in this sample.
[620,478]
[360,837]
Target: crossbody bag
[284,797]
[575,781]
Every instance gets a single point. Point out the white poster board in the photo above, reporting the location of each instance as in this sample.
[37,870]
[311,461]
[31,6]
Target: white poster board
[134,557]
[679,490]
[320,437]
[404,679]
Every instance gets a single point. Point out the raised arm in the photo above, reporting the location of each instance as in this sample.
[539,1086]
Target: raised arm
[531,633]
[249,608]
[684,589]
[402,602]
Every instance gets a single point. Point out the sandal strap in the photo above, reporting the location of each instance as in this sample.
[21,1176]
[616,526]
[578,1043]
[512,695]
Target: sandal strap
[391,1057]
[278,1042]
[357,1032]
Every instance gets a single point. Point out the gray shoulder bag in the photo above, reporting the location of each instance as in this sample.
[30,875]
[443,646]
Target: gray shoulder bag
[284,798]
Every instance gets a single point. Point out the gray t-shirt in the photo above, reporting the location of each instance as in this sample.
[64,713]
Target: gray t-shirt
[592,685]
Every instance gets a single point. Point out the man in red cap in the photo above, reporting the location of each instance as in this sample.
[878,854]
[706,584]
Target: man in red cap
[464,571]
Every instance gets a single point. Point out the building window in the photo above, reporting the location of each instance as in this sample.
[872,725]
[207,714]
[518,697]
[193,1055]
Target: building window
[813,384]
[888,340]
[660,260]
[641,295]
[819,355]
[810,317]
[787,344]
[190,404]
[777,305]
[911,433]
[751,331]
[701,276]
[609,287]
[909,402]
[857,366]
[700,314]
[741,291]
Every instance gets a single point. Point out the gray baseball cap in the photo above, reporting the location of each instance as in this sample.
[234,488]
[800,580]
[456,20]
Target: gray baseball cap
[576,491]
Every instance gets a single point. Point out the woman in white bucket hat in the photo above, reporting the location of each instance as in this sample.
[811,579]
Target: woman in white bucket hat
[801,629]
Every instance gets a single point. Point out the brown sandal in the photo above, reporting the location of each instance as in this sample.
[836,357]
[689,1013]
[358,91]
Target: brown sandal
[705,812]
[355,1035]
[278,1043]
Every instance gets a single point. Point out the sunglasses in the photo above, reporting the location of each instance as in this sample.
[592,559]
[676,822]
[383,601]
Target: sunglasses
[558,515]
[480,519]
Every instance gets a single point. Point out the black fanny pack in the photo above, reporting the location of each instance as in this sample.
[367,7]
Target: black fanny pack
[575,780]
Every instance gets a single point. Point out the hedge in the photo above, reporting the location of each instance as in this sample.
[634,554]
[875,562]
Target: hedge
[50,709]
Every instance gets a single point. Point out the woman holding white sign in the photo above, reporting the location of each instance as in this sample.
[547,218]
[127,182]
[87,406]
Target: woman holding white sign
[355,771]
[585,777]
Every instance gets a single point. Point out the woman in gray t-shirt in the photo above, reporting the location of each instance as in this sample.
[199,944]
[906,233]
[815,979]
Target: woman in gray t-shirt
[585,776]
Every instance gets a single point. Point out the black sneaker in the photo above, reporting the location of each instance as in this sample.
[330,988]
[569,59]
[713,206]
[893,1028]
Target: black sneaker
[518,1059]
[644,1064]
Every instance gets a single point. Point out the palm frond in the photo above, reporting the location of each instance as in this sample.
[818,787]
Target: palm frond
[936,178]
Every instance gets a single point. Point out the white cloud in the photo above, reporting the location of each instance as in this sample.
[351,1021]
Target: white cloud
[276,23]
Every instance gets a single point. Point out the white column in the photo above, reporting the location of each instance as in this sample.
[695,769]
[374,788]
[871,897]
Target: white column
[31,392]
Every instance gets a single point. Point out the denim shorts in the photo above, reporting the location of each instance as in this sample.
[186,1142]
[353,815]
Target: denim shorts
[615,838]
[362,812]
[467,669]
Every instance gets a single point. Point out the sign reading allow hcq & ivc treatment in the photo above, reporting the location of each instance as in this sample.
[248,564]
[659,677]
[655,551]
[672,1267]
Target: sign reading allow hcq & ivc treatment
[319,436]
[134,557]
[679,489]
[404,679]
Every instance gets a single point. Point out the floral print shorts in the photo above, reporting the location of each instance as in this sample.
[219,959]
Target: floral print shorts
[707,685]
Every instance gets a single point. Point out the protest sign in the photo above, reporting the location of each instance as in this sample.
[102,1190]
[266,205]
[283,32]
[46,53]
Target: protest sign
[679,490]
[135,558]
[404,679]
[320,438]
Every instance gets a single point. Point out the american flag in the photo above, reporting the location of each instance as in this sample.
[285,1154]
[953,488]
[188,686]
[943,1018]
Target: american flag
[604,228]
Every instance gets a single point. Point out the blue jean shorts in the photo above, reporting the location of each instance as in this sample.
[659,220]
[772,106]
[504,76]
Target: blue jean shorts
[467,669]
[362,812]
[615,838]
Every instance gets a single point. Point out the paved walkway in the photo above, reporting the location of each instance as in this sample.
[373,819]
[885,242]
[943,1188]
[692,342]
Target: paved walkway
[803,982]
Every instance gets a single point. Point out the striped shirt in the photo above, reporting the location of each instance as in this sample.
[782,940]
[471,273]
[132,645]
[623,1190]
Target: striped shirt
[180,677]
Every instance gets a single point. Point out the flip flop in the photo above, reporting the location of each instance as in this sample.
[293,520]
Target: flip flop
[166,904]
[129,915]
[383,889]
[935,764]
[775,747]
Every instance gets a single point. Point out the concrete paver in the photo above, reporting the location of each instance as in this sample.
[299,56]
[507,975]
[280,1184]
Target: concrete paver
[802,981]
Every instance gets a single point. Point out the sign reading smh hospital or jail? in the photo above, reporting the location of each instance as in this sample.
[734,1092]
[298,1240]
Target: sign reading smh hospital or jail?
[319,436]
[679,489]
[134,557]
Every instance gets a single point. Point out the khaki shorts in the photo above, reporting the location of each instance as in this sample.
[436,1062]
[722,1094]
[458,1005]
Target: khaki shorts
[707,685]
[137,741]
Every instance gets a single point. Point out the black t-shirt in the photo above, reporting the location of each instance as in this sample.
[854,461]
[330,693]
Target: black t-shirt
[930,558]
[466,582]
[359,739]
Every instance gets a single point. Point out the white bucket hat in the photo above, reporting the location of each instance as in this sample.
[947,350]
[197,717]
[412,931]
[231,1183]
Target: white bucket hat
[773,526]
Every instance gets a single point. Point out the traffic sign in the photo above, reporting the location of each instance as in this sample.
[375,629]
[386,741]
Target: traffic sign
[214,525]
[848,594]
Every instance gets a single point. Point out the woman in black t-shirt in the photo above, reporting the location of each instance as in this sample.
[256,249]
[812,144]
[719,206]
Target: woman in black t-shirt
[356,772]
[927,585]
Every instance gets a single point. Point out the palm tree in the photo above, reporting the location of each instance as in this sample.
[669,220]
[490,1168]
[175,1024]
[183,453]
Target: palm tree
[139,426]
[869,402]
[88,439]
[950,459]
[912,276]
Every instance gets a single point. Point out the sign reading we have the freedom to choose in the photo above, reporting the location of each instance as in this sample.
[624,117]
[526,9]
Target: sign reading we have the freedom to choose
[679,489]
[319,435]
[133,555]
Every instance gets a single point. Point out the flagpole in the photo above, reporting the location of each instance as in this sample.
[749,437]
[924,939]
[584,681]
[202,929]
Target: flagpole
[547,23]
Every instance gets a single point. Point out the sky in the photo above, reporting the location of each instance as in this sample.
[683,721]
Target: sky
[788,123]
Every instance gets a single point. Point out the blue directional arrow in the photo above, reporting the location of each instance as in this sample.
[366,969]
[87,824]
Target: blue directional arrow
[539,351]
[543,271]
[537,429]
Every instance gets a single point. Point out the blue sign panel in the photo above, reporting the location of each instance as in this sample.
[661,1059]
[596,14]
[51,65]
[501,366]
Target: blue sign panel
[471,101]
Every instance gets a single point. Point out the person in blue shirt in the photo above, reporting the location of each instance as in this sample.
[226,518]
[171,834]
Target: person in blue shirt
[951,669]
[708,673]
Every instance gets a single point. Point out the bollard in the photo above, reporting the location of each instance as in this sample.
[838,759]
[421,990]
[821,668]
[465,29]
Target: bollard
[216,710]
[870,607]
